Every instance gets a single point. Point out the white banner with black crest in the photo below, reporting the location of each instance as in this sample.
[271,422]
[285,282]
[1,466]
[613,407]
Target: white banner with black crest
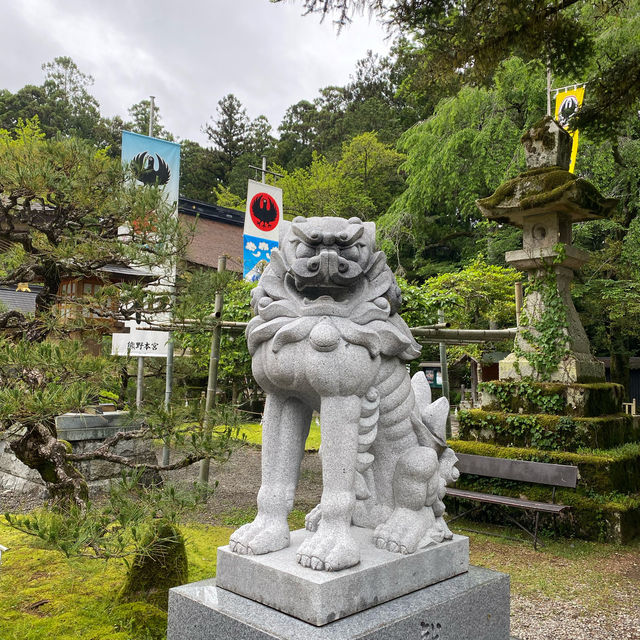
[262,223]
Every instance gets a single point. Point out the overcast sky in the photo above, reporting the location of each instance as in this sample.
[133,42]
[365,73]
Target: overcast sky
[188,53]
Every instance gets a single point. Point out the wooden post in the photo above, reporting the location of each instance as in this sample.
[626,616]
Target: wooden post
[212,381]
[444,371]
[519,299]
[548,88]
[140,377]
[140,382]
[168,391]
[474,383]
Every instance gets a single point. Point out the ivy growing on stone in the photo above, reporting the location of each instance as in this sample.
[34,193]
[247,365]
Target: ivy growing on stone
[547,335]
[528,396]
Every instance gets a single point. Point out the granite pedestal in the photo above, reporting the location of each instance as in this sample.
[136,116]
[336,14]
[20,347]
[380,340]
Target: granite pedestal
[470,606]
[320,597]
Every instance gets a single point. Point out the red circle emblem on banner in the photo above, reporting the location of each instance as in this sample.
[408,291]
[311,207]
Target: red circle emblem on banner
[264,211]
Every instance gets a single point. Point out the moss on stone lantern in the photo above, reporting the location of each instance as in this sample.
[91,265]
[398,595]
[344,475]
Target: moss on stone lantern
[544,202]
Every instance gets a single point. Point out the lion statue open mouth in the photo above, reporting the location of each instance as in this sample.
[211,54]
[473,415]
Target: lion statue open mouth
[327,337]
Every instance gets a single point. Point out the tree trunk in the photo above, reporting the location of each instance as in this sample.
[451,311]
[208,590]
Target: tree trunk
[48,295]
[124,383]
[619,360]
[158,566]
[39,449]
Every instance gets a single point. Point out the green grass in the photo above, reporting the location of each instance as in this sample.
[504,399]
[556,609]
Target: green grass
[592,574]
[252,432]
[237,517]
[45,595]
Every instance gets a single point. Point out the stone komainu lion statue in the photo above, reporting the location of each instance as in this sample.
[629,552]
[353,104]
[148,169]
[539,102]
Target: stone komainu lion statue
[327,337]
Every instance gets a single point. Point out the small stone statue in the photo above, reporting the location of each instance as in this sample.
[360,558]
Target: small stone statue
[327,337]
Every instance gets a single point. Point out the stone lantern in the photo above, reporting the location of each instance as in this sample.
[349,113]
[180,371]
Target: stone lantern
[544,202]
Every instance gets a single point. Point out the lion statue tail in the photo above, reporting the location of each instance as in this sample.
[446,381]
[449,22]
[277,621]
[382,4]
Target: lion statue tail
[429,421]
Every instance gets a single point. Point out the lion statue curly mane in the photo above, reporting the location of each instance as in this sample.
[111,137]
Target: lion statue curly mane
[327,337]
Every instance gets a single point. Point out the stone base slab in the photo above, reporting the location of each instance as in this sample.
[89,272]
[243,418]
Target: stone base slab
[91,426]
[576,367]
[471,606]
[321,597]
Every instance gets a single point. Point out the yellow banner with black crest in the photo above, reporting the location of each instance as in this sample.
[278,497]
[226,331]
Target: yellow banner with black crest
[568,101]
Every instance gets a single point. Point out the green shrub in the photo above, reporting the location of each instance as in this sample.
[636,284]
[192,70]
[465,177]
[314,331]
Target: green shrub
[525,396]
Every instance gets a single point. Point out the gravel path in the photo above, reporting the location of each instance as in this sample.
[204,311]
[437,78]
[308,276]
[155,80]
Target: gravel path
[545,619]
[239,480]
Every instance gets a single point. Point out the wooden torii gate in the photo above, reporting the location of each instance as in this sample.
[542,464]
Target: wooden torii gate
[437,333]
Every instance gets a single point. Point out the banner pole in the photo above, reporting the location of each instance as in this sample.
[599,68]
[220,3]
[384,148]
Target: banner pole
[548,88]
[444,372]
[212,382]
[152,109]
[140,378]
[139,382]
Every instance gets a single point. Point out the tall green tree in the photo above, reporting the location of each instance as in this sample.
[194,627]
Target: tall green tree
[469,41]
[139,114]
[368,102]
[228,131]
[374,99]
[32,101]
[321,189]
[376,166]
[463,152]
[362,183]
[608,287]
[65,82]
[63,103]
[297,134]
[258,142]
[200,171]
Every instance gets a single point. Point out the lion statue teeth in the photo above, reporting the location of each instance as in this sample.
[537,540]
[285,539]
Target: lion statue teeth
[327,337]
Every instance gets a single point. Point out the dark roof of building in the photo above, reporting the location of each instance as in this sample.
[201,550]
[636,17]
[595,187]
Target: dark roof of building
[23,301]
[210,211]
[127,271]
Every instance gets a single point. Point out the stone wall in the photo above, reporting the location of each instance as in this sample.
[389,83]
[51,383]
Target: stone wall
[577,424]
[84,432]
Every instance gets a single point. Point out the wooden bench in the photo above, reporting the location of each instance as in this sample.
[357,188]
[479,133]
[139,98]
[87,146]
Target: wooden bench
[555,475]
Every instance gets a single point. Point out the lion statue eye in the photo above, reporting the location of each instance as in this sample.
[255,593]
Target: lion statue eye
[304,251]
[351,253]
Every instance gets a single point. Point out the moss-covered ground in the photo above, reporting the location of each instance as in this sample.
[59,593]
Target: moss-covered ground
[45,595]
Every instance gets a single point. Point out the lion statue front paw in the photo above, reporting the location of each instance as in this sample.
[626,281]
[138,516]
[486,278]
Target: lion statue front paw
[259,537]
